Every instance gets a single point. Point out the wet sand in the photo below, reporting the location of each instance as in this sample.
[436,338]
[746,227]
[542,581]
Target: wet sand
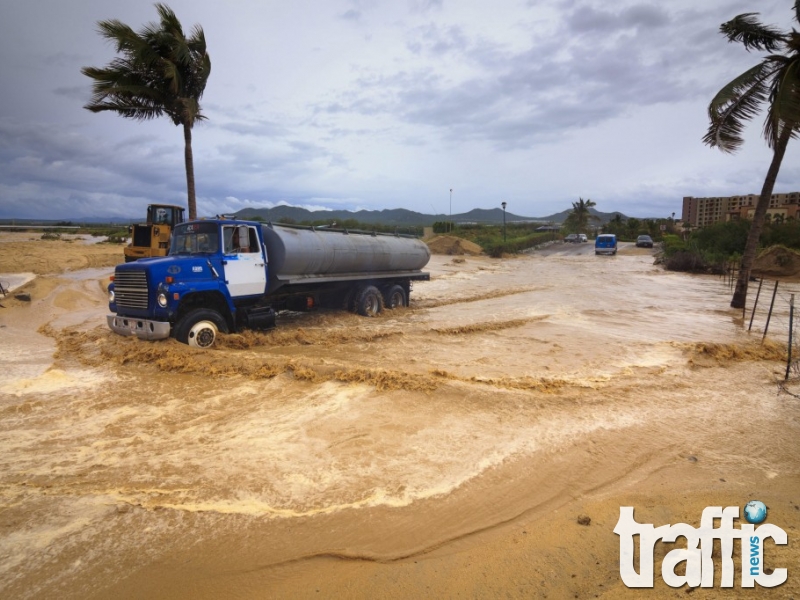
[451,449]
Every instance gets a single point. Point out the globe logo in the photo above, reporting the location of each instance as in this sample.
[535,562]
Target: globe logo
[755,512]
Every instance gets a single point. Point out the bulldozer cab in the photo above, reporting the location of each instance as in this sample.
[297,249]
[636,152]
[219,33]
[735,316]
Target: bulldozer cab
[164,214]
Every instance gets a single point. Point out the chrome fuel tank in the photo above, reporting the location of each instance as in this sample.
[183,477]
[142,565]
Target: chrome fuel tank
[294,251]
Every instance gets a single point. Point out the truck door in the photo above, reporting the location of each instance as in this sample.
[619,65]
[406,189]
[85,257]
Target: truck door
[245,272]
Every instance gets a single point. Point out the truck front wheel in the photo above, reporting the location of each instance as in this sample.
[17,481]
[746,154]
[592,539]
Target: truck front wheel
[199,328]
[369,301]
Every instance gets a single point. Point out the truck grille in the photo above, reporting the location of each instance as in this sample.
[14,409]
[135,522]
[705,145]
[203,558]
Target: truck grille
[130,289]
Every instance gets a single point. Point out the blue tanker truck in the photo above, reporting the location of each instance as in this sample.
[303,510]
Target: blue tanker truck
[224,275]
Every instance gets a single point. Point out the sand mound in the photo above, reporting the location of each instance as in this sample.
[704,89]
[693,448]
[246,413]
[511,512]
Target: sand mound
[449,244]
[47,257]
[778,262]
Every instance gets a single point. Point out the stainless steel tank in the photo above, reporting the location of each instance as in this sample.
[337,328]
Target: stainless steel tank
[299,251]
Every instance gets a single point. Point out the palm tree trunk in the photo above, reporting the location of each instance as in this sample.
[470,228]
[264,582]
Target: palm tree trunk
[189,159]
[740,293]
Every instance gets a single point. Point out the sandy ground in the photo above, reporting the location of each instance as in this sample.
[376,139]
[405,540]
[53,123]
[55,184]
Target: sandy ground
[478,444]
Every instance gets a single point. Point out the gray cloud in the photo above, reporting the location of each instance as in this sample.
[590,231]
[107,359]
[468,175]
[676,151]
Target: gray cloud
[596,66]
[640,16]
[351,15]
[371,104]
[40,166]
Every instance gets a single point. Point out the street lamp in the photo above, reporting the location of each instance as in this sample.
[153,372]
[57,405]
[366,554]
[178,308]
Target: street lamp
[503,204]
[451,209]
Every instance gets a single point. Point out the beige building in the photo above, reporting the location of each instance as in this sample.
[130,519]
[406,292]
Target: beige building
[699,212]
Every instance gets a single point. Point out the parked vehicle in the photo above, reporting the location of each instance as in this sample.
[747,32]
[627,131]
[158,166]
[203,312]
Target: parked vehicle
[572,238]
[605,243]
[582,237]
[224,275]
[152,238]
[644,241]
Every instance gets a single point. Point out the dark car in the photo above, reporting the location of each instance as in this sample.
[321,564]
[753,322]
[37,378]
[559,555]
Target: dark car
[644,241]
[572,238]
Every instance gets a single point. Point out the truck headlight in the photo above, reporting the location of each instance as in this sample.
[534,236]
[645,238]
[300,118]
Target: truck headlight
[111,296]
[162,300]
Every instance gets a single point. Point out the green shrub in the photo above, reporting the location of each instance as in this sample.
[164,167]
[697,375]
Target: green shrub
[444,227]
[698,254]
[785,233]
[672,244]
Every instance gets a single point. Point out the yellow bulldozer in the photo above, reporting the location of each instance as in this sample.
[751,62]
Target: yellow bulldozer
[152,238]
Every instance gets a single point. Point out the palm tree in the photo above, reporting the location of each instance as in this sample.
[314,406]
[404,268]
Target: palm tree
[615,225]
[160,72]
[775,81]
[578,219]
[632,225]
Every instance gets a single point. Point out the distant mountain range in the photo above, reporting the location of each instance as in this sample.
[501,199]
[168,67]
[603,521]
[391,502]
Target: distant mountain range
[401,216]
[397,217]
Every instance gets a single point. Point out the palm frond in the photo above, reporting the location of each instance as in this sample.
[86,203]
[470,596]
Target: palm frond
[157,65]
[169,20]
[784,105]
[737,102]
[197,41]
[746,29]
[159,72]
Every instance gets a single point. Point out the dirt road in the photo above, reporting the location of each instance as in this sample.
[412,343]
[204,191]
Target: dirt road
[477,444]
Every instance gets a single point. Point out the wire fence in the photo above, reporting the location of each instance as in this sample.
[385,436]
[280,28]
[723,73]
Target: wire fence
[773,312]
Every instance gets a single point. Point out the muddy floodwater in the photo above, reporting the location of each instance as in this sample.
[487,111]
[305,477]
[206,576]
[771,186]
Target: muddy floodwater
[477,444]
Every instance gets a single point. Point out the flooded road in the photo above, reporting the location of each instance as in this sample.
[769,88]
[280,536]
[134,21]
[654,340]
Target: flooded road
[410,455]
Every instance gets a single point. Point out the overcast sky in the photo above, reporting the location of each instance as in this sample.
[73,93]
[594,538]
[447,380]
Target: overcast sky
[381,104]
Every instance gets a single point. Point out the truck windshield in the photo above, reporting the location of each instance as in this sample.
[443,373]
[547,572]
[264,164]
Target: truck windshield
[195,238]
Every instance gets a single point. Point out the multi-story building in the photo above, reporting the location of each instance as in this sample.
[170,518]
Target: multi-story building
[699,212]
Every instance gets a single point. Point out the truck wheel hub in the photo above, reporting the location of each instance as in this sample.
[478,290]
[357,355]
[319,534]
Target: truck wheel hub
[202,335]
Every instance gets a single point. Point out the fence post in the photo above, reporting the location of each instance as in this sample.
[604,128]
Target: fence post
[769,315]
[791,324]
[758,293]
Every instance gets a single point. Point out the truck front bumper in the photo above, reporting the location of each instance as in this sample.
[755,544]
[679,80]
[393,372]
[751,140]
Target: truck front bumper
[141,328]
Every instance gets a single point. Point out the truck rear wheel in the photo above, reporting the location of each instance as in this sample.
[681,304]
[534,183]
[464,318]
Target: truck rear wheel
[369,301]
[395,297]
[199,328]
